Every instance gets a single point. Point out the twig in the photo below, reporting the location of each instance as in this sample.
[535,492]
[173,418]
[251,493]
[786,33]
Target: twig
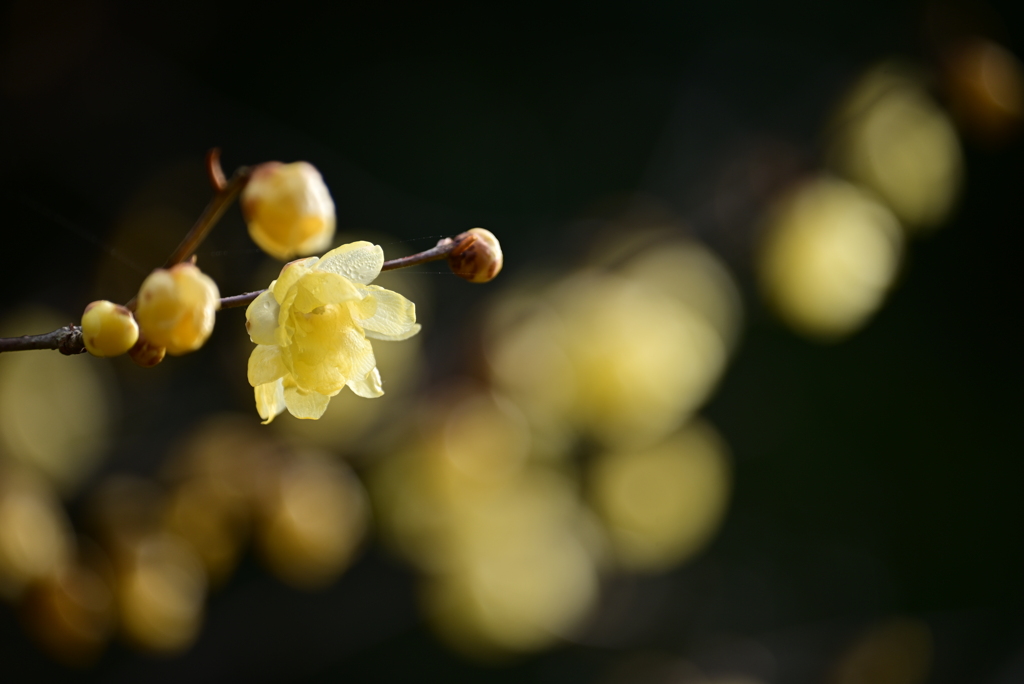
[67,340]
[227,191]
[436,253]
[441,251]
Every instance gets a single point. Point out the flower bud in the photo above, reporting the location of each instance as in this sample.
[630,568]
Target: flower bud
[108,329]
[478,257]
[145,354]
[177,308]
[288,209]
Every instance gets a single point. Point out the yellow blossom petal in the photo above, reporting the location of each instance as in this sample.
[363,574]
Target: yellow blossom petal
[285,320]
[360,262]
[319,288]
[308,405]
[266,365]
[368,386]
[290,274]
[261,318]
[394,317]
[270,400]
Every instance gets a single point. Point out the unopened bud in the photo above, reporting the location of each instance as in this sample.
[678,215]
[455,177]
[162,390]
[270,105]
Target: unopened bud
[108,329]
[177,308]
[146,354]
[288,209]
[478,257]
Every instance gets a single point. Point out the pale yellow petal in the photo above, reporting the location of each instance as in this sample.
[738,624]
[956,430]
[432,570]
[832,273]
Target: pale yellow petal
[360,262]
[393,318]
[323,349]
[306,405]
[319,288]
[261,318]
[290,274]
[265,365]
[270,400]
[361,359]
[411,332]
[285,322]
[368,386]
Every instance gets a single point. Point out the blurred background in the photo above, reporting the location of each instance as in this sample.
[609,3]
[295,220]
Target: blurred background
[743,405]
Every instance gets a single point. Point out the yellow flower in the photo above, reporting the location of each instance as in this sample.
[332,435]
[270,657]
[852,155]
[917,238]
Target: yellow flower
[311,328]
[288,209]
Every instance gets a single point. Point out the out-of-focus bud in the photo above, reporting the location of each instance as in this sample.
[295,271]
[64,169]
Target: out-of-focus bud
[35,536]
[71,613]
[662,504]
[209,514]
[829,256]
[889,136]
[177,308]
[108,329]
[55,416]
[478,257]
[313,523]
[985,86]
[160,594]
[899,649]
[288,209]
[146,354]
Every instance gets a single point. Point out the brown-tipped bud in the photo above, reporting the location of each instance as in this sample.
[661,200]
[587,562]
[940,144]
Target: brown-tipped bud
[108,329]
[478,257]
[146,354]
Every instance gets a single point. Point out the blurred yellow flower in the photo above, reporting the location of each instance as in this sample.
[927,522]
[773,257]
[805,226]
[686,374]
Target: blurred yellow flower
[311,328]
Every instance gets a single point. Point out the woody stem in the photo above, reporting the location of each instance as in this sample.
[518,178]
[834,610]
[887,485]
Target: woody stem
[226,194]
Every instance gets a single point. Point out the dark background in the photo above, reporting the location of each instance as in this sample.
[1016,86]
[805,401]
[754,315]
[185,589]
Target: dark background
[878,476]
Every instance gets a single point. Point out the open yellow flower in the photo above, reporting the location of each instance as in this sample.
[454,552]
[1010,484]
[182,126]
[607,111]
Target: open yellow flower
[311,328]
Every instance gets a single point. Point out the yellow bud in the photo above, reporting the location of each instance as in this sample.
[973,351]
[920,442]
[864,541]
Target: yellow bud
[108,329]
[288,209]
[177,308]
[478,257]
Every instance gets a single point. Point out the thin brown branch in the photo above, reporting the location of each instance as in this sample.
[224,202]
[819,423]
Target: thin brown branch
[208,219]
[236,301]
[67,340]
[213,212]
[441,251]
[436,253]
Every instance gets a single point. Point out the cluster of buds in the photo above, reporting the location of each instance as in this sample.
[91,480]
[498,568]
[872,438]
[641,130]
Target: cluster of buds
[175,313]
